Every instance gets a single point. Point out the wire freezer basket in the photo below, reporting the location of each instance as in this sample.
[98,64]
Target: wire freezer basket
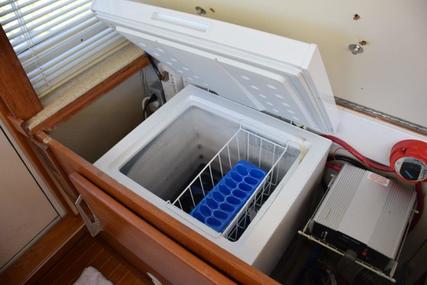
[243,145]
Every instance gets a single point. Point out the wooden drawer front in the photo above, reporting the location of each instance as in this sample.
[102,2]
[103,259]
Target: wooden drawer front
[170,261]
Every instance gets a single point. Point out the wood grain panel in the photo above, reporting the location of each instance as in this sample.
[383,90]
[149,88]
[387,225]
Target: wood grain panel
[169,260]
[44,253]
[15,87]
[89,251]
[198,245]
[128,255]
[20,198]
[13,125]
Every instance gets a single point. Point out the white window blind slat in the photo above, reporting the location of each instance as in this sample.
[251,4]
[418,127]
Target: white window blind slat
[31,61]
[8,9]
[45,24]
[52,73]
[69,55]
[55,30]
[41,16]
[74,69]
[24,11]
[55,40]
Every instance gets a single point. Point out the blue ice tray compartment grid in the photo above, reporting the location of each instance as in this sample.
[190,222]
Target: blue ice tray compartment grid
[218,208]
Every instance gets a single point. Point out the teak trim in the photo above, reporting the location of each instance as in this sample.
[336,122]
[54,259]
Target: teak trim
[30,150]
[19,102]
[192,241]
[46,251]
[16,90]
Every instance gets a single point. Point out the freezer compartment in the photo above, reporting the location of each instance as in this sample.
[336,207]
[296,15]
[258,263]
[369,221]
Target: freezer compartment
[184,141]
[184,163]
[173,158]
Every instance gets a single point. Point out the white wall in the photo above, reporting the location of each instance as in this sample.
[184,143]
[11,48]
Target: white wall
[390,76]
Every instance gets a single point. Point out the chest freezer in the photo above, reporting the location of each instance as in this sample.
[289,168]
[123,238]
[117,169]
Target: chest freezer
[247,89]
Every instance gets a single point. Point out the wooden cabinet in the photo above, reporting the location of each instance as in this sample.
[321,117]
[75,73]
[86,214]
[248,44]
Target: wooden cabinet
[93,185]
[25,211]
[149,238]
[158,254]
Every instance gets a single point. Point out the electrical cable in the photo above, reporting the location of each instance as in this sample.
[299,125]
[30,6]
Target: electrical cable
[144,81]
[146,102]
[156,70]
[335,167]
[336,150]
[159,76]
[143,105]
[369,163]
[350,160]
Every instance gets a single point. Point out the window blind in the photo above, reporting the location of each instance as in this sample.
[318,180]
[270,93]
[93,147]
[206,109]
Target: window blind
[55,40]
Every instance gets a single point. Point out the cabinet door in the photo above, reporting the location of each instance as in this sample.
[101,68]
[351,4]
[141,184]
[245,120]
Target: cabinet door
[25,212]
[161,256]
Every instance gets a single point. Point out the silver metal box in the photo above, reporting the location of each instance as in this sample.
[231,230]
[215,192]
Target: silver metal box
[366,216]
[369,208]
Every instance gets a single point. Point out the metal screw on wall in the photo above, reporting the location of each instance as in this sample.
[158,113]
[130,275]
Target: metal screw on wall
[200,11]
[355,48]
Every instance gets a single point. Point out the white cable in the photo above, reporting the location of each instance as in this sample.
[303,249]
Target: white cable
[144,102]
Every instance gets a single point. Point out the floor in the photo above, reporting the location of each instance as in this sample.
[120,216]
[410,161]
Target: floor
[89,251]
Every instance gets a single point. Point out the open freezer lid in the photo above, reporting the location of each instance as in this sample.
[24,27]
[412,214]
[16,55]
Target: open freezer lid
[270,73]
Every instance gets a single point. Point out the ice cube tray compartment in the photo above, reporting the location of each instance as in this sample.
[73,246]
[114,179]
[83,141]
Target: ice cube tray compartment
[232,187]
[218,208]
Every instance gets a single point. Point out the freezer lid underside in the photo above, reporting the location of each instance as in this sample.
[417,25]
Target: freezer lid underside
[272,74]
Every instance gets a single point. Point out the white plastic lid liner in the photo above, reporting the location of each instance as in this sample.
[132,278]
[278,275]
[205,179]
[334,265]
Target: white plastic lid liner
[270,73]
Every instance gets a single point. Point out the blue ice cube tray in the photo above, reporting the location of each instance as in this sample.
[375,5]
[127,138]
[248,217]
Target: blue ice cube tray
[218,208]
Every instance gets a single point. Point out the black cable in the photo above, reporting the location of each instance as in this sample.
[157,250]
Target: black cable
[152,99]
[324,185]
[159,76]
[342,158]
[350,160]
[153,64]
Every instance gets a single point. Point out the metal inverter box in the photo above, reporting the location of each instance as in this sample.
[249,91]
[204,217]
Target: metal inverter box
[365,213]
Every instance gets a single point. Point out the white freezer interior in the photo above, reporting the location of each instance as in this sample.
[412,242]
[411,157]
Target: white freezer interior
[178,152]
[183,148]
[159,158]
[257,76]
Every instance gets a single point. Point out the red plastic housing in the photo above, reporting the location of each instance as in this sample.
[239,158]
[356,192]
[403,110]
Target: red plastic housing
[413,150]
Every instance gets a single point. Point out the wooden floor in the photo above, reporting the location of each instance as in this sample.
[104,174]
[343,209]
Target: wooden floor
[89,251]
